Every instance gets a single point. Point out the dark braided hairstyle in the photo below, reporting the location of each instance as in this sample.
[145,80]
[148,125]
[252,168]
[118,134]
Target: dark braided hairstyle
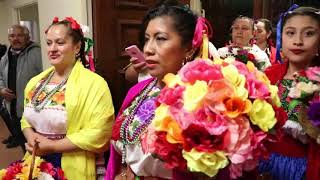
[77,36]
[184,20]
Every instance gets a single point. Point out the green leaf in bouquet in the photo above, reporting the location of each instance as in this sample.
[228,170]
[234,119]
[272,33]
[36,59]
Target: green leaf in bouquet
[294,103]
[303,79]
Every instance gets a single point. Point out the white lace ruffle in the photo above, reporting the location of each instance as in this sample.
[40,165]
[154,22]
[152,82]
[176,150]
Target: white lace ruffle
[294,129]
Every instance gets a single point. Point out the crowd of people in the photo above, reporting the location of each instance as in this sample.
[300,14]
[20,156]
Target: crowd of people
[65,114]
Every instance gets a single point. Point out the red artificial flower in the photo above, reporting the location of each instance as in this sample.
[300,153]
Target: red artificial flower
[47,168]
[199,138]
[281,116]
[60,174]
[171,96]
[13,170]
[74,23]
[171,154]
[303,73]
[55,20]
[251,57]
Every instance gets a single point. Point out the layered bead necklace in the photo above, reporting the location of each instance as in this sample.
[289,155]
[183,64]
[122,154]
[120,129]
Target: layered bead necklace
[133,138]
[38,104]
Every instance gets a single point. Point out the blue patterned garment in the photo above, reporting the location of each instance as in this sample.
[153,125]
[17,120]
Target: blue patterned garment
[283,167]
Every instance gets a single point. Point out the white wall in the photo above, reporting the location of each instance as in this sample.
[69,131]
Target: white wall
[3,23]
[48,9]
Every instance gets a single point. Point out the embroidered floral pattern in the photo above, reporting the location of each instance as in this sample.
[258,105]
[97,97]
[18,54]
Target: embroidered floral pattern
[284,86]
[144,112]
[57,99]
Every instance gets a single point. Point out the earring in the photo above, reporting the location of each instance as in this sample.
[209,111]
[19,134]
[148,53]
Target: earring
[185,61]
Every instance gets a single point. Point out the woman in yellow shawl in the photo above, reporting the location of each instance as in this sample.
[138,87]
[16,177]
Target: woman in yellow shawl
[68,108]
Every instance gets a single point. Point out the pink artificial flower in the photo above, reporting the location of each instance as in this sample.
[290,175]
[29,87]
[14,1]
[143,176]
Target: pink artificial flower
[200,70]
[215,124]
[170,96]
[147,140]
[257,89]
[242,68]
[240,133]
[313,73]
[183,118]
[219,90]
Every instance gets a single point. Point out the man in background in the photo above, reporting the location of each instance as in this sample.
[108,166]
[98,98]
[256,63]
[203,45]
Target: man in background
[21,62]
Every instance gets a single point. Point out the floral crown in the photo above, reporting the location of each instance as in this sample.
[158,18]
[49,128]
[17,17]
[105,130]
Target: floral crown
[74,24]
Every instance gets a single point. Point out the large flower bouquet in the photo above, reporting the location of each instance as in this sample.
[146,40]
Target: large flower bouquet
[213,115]
[306,94]
[245,54]
[43,170]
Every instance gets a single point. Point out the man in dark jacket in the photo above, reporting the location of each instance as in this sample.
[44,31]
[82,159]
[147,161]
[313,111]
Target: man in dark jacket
[21,62]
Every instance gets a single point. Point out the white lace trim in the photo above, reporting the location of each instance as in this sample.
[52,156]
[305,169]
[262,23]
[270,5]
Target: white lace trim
[294,129]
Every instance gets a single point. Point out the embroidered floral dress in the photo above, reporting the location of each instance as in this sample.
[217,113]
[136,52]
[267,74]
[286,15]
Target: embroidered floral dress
[141,163]
[51,121]
[284,167]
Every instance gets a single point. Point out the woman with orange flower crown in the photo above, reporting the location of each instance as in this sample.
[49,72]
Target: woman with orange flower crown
[296,155]
[241,47]
[68,111]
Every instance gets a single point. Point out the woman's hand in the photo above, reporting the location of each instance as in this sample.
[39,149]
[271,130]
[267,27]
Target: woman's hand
[139,66]
[45,146]
[132,71]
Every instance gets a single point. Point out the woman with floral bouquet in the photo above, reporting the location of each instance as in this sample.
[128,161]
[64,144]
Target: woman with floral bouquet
[295,155]
[168,31]
[242,48]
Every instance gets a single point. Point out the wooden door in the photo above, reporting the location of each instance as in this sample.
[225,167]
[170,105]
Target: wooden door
[116,25]
[221,13]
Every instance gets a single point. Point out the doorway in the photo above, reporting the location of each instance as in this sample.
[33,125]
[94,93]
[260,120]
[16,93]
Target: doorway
[29,16]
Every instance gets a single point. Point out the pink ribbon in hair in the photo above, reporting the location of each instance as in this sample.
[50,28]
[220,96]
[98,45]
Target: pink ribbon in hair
[202,25]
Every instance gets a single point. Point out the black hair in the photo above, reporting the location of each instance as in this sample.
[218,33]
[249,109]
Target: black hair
[77,36]
[183,18]
[303,11]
